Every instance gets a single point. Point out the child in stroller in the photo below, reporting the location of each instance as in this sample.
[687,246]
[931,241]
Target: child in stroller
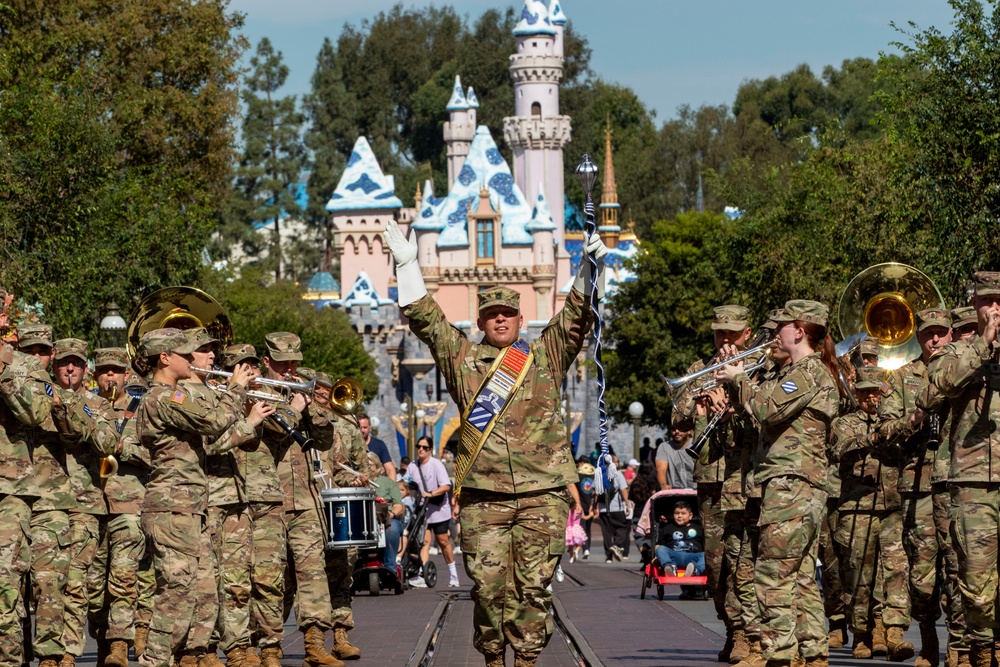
[415,573]
[648,534]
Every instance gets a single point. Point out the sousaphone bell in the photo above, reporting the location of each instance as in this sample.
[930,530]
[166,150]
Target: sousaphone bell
[178,307]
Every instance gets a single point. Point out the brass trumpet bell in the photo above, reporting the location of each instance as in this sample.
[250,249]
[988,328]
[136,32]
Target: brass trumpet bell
[180,308]
[882,301]
[347,395]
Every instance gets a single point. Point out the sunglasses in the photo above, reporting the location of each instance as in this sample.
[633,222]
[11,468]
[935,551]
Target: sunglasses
[427,447]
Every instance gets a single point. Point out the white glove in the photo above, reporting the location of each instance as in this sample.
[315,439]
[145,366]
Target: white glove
[409,281]
[593,246]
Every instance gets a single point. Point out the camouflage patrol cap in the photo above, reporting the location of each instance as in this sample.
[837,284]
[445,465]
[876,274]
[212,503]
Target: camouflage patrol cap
[869,377]
[933,317]
[773,318]
[805,311]
[199,337]
[133,380]
[239,353]
[71,347]
[306,372]
[868,346]
[986,283]
[115,357]
[499,296]
[165,340]
[283,346]
[962,316]
[34,334]
[730,318]
[324,379]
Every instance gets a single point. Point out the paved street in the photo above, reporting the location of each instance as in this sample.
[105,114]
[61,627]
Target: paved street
[600,621]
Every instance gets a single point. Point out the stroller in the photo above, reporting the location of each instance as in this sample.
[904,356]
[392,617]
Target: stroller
[646,536]
[415,529]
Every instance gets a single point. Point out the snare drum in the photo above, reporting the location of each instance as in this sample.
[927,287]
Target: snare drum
[350,517]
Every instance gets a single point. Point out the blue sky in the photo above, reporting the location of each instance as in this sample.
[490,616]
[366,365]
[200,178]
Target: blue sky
[671,52]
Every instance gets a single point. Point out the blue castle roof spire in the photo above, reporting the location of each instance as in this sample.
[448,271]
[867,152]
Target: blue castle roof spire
[458,102]
[556,14]
[534,20]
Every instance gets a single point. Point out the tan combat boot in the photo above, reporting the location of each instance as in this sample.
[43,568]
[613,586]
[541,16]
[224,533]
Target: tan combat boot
[49,662]
[525,659]
[878,638]
[139,643]
[270,656]
[862,649]
[344,649]
[118,654]
[252,659]
[188,660]
[756,657]
[898,649]
[929,650]
[209,659]
[980,655]
[797,661]
[494,659]
[727,647]
[964,659]
[838,634]
[67,661]
[316,653]
[741,647]
[236,657]
[818,661]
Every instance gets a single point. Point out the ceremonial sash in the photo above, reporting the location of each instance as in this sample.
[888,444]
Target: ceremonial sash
[487,407]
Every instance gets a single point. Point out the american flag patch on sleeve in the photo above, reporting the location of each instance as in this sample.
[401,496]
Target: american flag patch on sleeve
[179,397]
[789,387]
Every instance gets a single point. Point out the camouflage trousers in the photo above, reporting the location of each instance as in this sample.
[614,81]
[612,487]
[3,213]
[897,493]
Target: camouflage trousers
[267,574]
[921,544]
[112,579]
[145,586]
[15,561]
[952,599]
[834,599]
[307,583]
[185,585]
[738,581]
[51,546]
[511,545]
[870,542]
[713,519]
[975,524]
[86,530]
[232,544]
[340,574]
[746,562]
[792,511]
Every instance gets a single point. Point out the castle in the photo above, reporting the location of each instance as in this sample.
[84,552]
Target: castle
[495,225]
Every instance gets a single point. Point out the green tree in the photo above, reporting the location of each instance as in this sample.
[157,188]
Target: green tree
[273,153]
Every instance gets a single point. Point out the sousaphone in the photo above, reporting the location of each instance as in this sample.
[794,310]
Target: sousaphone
[883,301]
[178,307]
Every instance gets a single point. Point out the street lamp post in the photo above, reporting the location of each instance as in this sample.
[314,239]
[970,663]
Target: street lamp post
[569,422]
[419,414]
[635,410]
[411,425]
[113,327]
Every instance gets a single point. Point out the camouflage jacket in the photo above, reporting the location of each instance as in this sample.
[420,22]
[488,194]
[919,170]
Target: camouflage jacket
[173,426]
[869,474]
[86,423]
[750,487]
[931,400]
[726,456]
[527,449]
[25,406]
[794,411]
[125,490]
[348,448]
[899,400]
[295,467]
[226,478]
[966,372]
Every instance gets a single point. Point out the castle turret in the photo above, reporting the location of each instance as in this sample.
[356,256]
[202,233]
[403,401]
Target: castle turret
[558,20]
[459,130]
[537,133]
[543,273]
[608,227]
[427,226]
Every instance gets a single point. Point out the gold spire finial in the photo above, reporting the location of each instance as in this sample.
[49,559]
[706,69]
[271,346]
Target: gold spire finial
[418,198]
[609,192]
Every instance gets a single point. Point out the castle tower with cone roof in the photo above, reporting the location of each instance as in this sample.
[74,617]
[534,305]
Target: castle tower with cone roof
[609,228]
[460,128]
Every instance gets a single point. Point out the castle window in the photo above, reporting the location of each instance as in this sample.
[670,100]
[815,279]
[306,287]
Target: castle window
[484,242]
[536,110]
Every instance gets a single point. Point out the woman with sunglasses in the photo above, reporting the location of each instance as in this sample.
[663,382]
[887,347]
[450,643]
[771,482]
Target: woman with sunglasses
[431,477]
[794,410]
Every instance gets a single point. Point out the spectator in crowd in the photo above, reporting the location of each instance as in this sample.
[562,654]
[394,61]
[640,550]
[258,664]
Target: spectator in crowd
[641,489]
[389,513]
[430,476]
[377,446]
[674,464]
[647,451]
[614,525]
[404,464]
[588,508]
[630,470]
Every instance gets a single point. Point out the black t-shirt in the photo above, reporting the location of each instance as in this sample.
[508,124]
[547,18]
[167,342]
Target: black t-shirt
[682,538]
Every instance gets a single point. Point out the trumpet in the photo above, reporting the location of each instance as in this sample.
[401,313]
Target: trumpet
[303,387]
[673,385]
[749,369]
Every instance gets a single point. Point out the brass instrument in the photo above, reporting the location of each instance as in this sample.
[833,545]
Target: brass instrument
[109,464]
[178,307]
[307,387]
[882,301]
[673,385]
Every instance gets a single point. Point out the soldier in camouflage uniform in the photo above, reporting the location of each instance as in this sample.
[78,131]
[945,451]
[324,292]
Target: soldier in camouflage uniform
[967,373]
[173,426]
[305,534]
[50,535]
[513,497]
[86,424]
[870,528]
[113,584]
[794,411]
[25,405]
[718,473]
[904,426]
